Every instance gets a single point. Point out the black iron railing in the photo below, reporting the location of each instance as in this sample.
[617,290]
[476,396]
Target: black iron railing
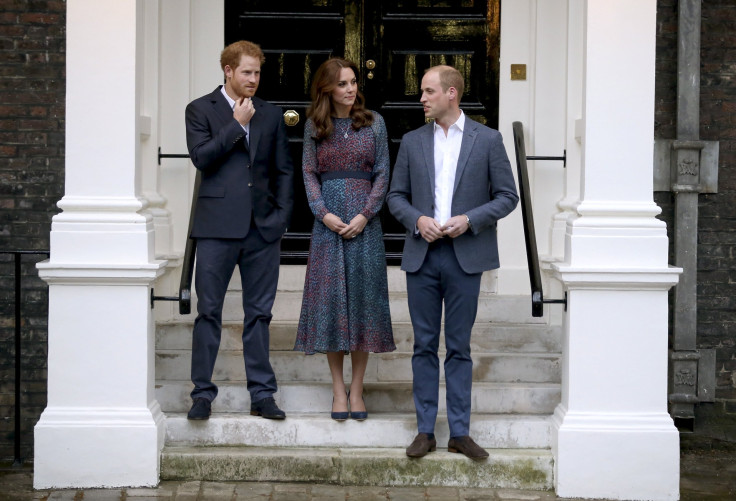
[17,279]
[530,239]
[187,268]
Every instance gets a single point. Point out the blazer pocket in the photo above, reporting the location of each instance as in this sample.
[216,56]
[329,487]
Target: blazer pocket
[211,192]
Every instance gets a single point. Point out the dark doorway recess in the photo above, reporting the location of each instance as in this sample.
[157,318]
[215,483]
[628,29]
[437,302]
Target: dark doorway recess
[393,43]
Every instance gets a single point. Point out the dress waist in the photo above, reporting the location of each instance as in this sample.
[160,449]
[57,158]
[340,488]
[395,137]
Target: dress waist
[355,174]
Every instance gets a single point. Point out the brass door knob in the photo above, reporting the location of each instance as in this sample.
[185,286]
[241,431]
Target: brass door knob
[370,64]
[291,118]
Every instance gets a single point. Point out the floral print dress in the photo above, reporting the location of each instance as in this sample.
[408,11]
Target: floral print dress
[345,304]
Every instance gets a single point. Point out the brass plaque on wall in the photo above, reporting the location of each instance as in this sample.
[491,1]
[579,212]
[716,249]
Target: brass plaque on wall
[518,72]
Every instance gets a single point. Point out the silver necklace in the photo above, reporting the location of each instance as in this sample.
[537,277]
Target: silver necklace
[347,128]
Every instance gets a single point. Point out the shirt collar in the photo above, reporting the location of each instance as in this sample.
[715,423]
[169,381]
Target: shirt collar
[459,123]
[230,100]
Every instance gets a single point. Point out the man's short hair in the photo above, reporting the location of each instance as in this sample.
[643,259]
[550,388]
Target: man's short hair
[233,53]
[450,77]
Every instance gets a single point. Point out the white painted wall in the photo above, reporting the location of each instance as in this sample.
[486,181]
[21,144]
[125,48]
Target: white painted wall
[534,33]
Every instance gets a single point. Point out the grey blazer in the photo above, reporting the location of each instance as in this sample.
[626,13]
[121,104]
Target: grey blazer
[484,191]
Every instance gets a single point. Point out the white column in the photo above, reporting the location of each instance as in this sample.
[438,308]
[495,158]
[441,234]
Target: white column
[613,435]
[102,425]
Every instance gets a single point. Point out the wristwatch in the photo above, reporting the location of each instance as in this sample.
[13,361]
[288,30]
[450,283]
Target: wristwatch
[467,220]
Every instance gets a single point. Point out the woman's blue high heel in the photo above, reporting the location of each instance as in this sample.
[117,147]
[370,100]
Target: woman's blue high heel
[339,416]
[361,415]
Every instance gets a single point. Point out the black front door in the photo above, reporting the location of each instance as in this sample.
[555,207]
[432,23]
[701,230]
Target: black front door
[393,42]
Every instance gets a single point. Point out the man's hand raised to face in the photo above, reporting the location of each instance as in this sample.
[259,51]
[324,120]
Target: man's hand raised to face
[243,110]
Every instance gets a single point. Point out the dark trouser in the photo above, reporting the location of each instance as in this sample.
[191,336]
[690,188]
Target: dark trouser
[258,262]
[441,279]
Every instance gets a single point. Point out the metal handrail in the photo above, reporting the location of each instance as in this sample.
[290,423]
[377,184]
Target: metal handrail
[187,268]
[17,460]
[530,239]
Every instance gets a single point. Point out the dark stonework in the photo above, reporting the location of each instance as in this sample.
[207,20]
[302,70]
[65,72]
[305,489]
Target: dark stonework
[32,93]
[717,212]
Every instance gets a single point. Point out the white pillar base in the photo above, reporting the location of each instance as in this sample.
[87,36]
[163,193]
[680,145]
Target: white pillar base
[91,447]
[613,437]
[102,426]
[616,456]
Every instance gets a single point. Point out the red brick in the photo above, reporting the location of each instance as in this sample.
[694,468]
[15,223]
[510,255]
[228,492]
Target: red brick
[39,18]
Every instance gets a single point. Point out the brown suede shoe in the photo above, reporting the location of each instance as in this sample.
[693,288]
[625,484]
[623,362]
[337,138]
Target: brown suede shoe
[421,445]
[467,447]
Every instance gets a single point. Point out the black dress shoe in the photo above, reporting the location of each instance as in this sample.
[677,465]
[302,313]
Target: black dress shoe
[465,445]
[421,445]
[267,408]
[201,409]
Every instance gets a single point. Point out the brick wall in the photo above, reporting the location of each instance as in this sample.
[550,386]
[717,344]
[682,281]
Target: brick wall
[717,212]
[32,59]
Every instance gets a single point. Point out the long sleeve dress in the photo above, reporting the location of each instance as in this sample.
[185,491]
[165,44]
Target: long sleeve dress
[345,304]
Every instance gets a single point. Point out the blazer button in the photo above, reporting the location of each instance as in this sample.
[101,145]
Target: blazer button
[250,185]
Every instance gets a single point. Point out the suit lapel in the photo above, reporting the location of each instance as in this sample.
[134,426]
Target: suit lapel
[466,146]
[428,149]
[225,113]
[222,107]
[255,128]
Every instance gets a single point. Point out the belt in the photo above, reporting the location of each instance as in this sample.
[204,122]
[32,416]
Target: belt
[353,174]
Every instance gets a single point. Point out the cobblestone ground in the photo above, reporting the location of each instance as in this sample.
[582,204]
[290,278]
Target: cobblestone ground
[706,475]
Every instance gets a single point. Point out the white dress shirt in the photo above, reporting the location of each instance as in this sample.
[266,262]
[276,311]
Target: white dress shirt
[446,153]
[231,101]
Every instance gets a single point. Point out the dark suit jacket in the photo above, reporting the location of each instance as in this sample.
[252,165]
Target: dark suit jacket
[239,181]
[484,191]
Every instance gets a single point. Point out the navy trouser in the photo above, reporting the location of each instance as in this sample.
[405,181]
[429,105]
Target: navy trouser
[440,279]
[258,262]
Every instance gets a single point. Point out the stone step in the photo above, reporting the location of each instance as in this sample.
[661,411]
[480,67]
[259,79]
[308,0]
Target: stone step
[486,337]
[287,307]
[392,397]
[496,431]
[504,469]
[382,367]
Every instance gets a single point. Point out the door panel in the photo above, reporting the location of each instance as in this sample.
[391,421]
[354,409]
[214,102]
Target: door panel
[401,39]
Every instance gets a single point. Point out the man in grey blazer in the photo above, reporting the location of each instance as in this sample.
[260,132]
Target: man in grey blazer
[451,183]
[239,144]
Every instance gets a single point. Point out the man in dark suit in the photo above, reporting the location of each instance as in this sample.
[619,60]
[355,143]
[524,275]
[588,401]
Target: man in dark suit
[239,144]
[451,183]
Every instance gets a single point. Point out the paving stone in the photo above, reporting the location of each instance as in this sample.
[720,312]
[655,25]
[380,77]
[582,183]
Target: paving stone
[248,490]
[509,495]
[291,492]
[165,490]
[443,493]
[217,490]
[362,493]
[65,495]
[407,494]
[330,492]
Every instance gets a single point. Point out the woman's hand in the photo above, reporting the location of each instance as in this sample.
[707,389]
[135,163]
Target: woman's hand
[356,226]
[334,223]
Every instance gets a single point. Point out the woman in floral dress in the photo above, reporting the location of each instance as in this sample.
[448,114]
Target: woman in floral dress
[346,176]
